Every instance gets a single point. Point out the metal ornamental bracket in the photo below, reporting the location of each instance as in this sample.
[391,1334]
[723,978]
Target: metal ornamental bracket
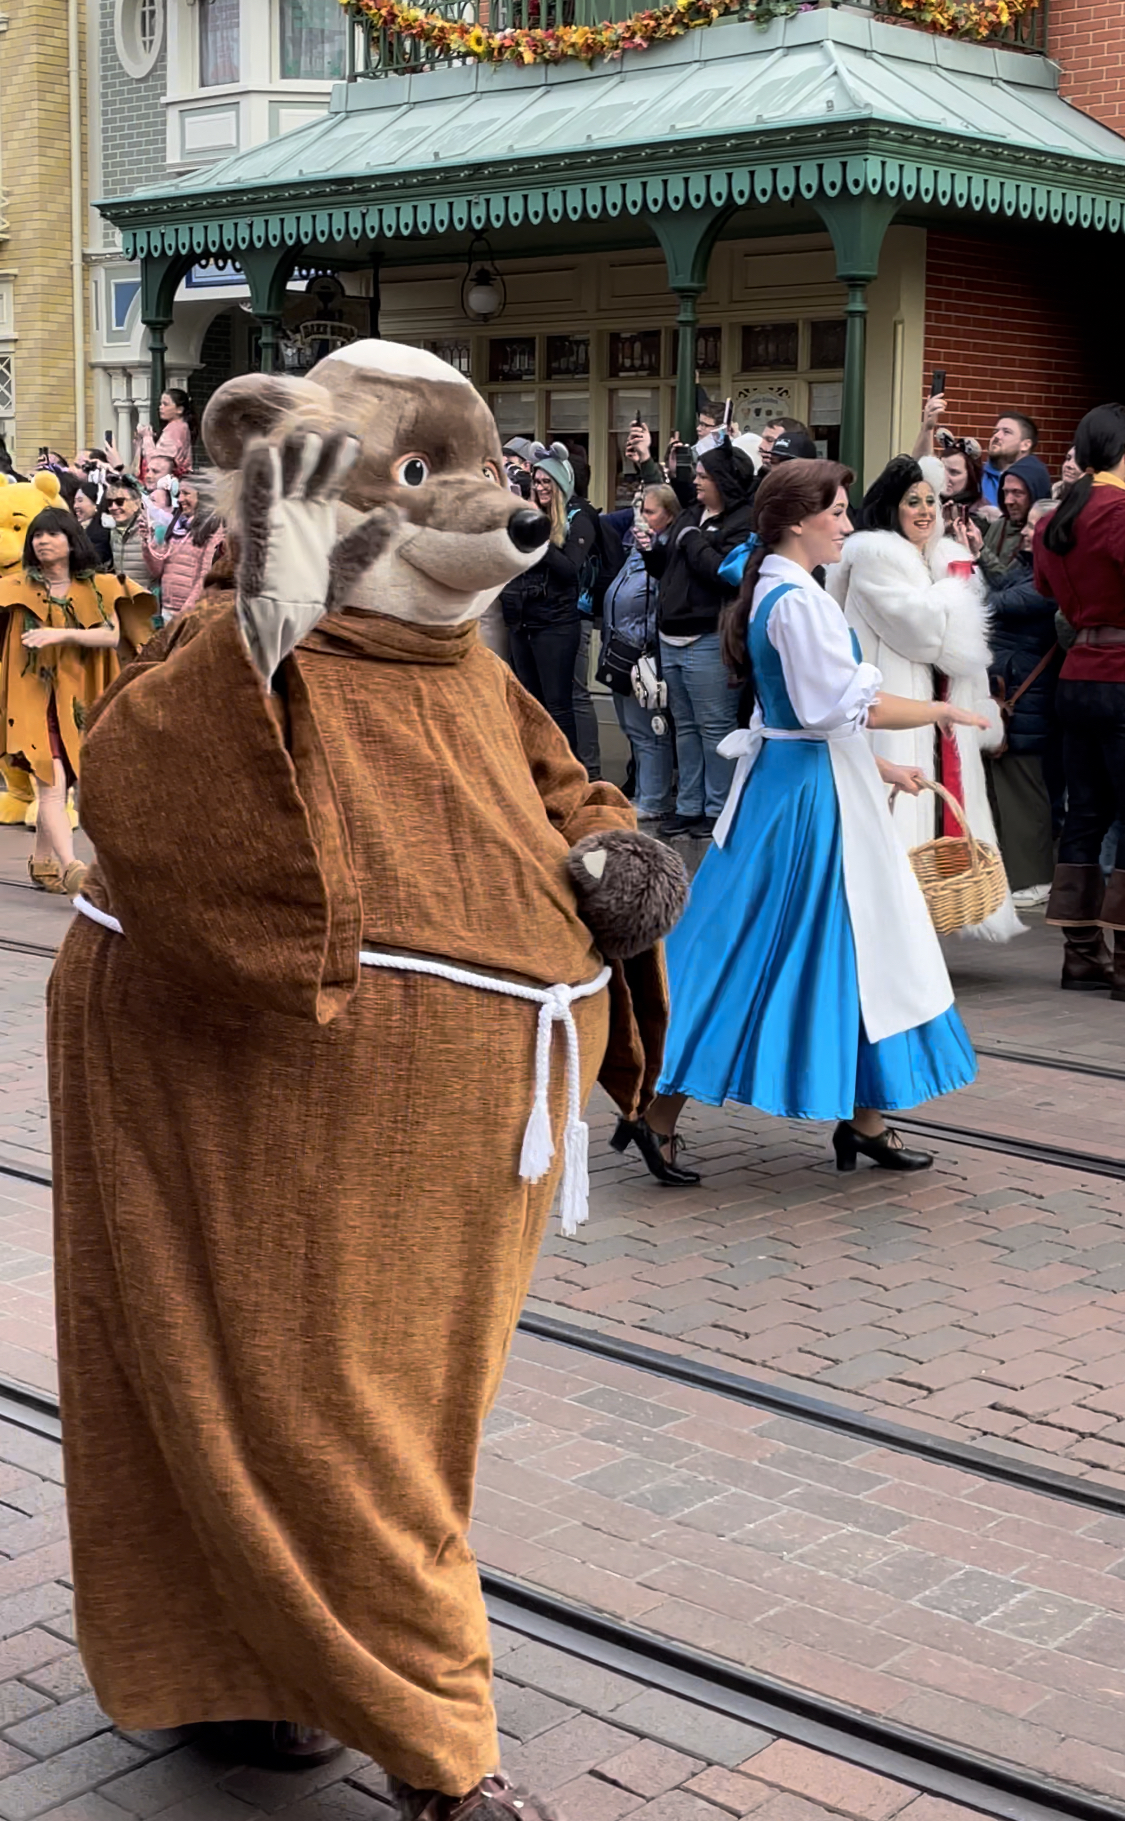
[346,221]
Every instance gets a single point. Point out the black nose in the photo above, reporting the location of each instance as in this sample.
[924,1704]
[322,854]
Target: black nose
[528,530]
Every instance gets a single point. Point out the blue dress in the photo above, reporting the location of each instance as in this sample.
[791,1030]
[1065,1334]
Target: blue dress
[762,966]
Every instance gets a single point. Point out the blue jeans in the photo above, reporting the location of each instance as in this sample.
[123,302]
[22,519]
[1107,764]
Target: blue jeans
[585,717]
[652,753]
[705,709]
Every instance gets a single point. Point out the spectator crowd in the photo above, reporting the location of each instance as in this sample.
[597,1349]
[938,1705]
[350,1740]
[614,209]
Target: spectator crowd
[973,576]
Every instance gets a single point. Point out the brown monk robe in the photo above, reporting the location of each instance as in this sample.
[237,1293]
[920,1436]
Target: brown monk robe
[291,1239]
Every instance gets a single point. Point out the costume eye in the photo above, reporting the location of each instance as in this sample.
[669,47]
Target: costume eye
[412,471]
[490,473]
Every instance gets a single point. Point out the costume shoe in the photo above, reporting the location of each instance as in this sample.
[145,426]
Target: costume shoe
[1087,967]
[494,1798]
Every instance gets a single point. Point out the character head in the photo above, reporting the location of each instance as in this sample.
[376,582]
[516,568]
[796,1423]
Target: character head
[20,502]
[429,447]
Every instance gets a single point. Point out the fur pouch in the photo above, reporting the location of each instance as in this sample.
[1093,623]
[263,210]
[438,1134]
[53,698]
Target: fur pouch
[631,890]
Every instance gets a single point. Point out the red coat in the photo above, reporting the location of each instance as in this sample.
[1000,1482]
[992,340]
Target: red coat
[1089,582]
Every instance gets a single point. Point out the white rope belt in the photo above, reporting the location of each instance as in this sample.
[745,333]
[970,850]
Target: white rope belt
[744,746]
[554,1004]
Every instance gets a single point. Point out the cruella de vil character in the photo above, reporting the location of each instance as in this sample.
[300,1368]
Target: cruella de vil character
[925,628]
[318,1057]
[806,978]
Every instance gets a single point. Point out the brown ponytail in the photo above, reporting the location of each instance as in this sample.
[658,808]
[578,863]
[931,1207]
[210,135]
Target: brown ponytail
[787,494]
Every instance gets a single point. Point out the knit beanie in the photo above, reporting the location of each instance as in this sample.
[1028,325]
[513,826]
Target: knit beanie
[555,462]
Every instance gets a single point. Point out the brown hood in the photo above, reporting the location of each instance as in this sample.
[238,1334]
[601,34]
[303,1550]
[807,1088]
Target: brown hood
[377,635]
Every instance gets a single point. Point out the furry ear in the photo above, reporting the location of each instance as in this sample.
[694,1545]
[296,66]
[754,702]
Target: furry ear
[251,406]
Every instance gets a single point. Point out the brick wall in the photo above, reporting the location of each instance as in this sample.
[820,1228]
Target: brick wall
[1018,324]
[1088,38]
[33,79]
[132,116]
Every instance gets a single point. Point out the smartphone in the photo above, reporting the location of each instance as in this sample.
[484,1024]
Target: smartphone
[638,422]
[728,415]
[937,384]
[108,438]
[43,449]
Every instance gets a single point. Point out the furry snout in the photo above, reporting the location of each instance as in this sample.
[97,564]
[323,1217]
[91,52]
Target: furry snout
[631,890]
[467,561]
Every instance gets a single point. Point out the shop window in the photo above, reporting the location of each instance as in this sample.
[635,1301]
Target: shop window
[625,407]
[568,421]
[635,356]
[312,34]
[138,32]
[7,387]
[511,359]
[770,347]
[708,352]
[219,50]
[568,357]
[826,343]
[514,413]
[826,400]
[456,353]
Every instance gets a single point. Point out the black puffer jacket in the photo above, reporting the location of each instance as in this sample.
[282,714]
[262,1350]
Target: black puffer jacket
[692,594]
[548,594]
[1023,631]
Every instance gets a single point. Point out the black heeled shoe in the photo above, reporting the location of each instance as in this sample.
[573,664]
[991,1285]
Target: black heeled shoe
[640,1133]
[887,1150]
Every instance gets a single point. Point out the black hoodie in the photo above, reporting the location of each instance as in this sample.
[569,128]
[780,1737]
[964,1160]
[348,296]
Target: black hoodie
[692,594]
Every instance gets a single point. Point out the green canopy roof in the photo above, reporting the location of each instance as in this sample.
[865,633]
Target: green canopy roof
[823,103]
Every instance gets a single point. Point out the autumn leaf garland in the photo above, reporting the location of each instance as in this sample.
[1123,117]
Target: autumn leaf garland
[461,37]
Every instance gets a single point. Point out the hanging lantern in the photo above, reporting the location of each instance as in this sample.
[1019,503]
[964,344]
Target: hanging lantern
[483,295]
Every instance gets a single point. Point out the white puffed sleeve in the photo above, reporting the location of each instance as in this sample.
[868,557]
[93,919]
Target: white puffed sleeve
[826,684]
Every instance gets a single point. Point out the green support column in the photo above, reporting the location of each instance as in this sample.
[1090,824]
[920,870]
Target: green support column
[157,380]
[857,225]
[160,276]
[686,237]
[266,271]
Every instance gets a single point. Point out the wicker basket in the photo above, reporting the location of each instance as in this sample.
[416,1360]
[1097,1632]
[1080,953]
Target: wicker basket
[962,879]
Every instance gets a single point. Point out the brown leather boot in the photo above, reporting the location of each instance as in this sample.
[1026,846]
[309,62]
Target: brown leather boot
[1087,966]
[1118,991]
[1112,915]
[1076,895]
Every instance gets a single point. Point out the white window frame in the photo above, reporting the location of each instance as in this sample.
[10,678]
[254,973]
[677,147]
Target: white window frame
[135,59]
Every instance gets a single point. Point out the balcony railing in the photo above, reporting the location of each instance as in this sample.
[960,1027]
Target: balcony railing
[377,51]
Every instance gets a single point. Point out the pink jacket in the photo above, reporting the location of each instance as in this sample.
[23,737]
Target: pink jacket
[180,565]
[174,440]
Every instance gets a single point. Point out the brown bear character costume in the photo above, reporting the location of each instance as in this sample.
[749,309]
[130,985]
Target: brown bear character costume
[312,1047]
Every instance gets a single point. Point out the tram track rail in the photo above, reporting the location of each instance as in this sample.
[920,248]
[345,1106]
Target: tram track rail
[922,1761]
[822,1413]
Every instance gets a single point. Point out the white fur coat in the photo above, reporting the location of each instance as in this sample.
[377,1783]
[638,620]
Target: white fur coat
[912,617]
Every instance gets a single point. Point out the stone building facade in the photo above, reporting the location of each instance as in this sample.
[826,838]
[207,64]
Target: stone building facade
[39,401]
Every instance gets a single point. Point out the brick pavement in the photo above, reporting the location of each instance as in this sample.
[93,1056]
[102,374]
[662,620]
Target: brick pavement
[984,1298]
[987,1615]
[603,1746]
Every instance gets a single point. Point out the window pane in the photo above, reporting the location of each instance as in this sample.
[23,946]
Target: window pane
[514,413]
[312,39]
[769,345]
[826,343]
[218,42]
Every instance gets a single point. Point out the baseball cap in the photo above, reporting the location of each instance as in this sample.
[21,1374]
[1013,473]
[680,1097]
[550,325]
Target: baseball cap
[518,445]
[794,446]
